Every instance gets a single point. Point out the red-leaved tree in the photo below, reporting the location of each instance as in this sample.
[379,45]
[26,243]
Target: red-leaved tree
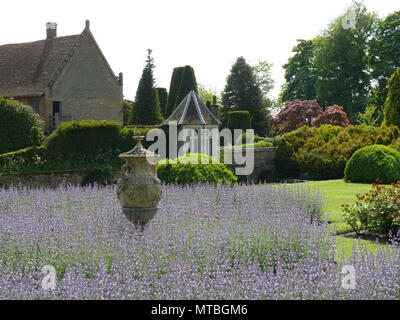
[334,115]
[296,114]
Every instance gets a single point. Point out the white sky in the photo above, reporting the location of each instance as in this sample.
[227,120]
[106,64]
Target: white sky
[207,34]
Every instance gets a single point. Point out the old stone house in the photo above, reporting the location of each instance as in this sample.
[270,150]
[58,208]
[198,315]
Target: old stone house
[62,78]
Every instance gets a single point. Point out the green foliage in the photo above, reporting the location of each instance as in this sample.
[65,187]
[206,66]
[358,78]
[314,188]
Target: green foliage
[320,153]
[376,211]
[188,83]
[20,126]
[255,138]
[207,93]
[239,120]
[300,74]
[314,160]
[288,145]
[385,53]
[100,175]
[126,142]
[372,163]
[194,168]
[173,90]
[163,97]
[147,105]
[76,145]
[84,141]
[334,154]
[392,107]
[243,93]
[28,158]
[387,134]
[127,109]
[395,144]
[341,62]
[372,116]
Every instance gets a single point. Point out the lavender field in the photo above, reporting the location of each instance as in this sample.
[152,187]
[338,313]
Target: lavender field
[206,242]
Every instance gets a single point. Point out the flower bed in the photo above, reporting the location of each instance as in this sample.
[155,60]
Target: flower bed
[206,242]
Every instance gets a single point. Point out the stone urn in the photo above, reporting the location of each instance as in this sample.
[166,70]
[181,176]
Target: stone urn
[139,189]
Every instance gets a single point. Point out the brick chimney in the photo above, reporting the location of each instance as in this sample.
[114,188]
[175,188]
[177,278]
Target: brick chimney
[51,30]
[215,107]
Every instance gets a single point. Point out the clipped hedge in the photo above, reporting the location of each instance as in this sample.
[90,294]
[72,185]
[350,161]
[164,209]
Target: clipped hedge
[373,163]
[194,168]
[20,126]
[75,145]
[84,141]
[239,120]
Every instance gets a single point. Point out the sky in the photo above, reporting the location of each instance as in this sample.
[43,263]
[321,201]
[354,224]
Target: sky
[209,35]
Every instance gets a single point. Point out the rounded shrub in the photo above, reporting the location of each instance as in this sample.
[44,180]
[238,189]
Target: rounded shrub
[194,168]
[20,126]
[373,163]
[239,120]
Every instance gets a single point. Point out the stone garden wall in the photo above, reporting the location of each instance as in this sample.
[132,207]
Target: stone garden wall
[50,179]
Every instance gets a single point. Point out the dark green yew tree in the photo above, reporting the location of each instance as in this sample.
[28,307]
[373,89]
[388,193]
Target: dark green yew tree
[147,106]
[243,93]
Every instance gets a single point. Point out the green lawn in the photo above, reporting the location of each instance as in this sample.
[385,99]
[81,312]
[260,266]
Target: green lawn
[336,193]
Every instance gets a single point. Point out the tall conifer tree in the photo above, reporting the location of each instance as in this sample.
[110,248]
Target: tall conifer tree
[162,97]
[173,90]
[242,93]
[147,105]
[188,83]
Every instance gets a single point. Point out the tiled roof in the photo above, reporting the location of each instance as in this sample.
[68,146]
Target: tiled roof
[26,68]
[192,110]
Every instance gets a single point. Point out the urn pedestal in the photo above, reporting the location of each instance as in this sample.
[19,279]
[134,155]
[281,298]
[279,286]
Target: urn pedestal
[139,189]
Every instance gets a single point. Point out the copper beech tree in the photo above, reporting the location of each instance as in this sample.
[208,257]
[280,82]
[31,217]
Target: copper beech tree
[298,113]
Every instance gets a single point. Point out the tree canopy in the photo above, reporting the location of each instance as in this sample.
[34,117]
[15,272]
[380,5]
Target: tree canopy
[300,74]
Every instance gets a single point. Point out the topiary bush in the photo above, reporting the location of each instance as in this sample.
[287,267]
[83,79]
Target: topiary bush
[239,120]
[194,168]
[373,163]
[20,126]
[84,141]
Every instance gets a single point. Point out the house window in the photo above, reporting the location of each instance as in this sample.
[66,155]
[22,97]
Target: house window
[34,103]
[57,113]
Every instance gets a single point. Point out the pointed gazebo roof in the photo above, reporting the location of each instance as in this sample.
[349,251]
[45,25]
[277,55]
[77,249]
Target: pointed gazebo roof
[192,110]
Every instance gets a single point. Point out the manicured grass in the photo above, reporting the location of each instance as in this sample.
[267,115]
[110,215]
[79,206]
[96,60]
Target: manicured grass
[336,193]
